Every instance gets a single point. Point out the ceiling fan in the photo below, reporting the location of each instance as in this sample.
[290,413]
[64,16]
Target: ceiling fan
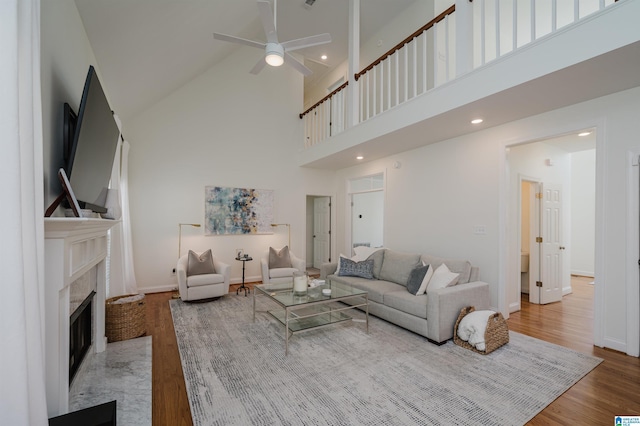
[276,53]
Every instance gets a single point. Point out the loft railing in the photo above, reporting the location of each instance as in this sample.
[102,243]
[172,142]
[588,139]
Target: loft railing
[325,118]
[409,69]
[427,58]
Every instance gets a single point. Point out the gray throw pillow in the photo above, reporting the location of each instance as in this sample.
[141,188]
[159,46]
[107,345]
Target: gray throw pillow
[280,258]
[349,268]
[415,279]
[200,264]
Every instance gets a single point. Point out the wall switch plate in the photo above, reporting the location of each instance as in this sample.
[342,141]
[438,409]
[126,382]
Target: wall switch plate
[480,230]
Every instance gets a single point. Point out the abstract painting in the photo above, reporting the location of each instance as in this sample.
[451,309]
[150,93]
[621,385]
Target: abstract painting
[236,211]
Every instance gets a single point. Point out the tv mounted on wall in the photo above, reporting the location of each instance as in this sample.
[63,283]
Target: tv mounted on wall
[93,147]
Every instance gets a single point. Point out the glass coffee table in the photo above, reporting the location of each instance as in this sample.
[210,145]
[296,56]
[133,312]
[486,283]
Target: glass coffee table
[313,309]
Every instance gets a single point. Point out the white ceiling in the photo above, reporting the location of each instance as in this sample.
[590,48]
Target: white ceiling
[147,49]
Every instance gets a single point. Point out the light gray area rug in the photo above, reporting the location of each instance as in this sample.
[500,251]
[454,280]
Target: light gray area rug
[236,372]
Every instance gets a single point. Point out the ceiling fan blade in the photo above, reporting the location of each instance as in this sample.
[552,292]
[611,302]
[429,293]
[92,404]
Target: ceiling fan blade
[266,16]
[258,66]
[301,43]
[234,39]
[296,64]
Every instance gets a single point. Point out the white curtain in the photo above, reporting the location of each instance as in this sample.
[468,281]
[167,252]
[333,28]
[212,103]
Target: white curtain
[22,393]
[127,240]
[121,276]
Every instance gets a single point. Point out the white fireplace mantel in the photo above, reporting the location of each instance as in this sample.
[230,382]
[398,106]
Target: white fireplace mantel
[73,246]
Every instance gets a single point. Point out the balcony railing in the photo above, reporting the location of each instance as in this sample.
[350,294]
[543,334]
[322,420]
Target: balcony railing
[427,58]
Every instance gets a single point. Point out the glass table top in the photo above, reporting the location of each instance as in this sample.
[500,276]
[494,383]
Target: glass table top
[283,293]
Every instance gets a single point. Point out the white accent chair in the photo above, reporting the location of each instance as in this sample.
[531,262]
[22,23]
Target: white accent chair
[281,275]
[203,286]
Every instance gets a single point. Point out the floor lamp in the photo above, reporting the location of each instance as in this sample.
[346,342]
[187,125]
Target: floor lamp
[288,230]
[180,225]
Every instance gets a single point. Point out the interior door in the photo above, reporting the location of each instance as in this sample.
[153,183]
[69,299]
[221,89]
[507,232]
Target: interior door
[551,249]
[321,231]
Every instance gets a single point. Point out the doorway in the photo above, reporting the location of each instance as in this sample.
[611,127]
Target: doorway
[366,196]
[318,230]
[554,234]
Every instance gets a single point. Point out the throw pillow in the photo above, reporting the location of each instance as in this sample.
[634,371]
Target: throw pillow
[415,279]
[349,268]
[280,258]
[378,258]
[442,277]
[363,252]
[200,264]
[425,281]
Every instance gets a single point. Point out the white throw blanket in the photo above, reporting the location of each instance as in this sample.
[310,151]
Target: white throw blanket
[472,328]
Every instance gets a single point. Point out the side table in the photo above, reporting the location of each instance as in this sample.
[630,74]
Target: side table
[244,260]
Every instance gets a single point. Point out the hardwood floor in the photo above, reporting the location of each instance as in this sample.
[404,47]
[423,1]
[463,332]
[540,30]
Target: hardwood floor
[613,388]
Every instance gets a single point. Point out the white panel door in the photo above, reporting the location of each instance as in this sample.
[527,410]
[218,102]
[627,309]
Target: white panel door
[551,248]
[321,230]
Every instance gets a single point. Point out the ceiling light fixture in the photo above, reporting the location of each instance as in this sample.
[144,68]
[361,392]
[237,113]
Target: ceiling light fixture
[323,57]
[477,121]
[359,157]
[584,134]
[275,54]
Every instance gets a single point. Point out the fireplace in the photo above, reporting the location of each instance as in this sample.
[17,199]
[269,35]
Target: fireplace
[75,258]
[80,334]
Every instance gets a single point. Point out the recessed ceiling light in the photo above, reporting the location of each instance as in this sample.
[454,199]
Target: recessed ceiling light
[359,157]
[323,57]
[584,134]
[477,121]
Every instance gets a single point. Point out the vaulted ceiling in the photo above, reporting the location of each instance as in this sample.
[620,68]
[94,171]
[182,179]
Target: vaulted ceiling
[147,49]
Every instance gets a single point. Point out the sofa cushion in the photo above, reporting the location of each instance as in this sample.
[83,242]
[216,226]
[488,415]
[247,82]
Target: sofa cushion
[200,264]
[204,279]
[397,266]
[350,268]
[406,302]
[281,272]
[462,267]
[376,288]
[279,258]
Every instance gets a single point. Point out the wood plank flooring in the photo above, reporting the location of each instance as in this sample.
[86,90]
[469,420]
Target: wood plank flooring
[613,388]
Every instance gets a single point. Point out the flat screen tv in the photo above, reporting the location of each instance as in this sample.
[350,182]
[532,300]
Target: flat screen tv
[93,148]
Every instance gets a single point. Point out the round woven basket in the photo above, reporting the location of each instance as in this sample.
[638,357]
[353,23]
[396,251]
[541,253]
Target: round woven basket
[125,320]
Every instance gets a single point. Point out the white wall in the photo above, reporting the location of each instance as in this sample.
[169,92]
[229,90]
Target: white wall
[583,209]
[442,191]
[224,128]
[65,58]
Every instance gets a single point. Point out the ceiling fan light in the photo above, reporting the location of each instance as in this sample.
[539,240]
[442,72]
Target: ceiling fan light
[274,54]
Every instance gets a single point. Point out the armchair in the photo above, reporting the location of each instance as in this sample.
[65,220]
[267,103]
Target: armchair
[280,275]
[203,285]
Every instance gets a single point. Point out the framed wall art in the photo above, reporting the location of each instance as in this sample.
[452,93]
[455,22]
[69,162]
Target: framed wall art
[238,211]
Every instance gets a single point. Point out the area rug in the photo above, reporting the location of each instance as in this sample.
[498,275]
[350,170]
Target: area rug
[236,372]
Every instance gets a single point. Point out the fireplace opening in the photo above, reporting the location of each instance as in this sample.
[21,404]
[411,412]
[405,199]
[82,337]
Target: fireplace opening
[80,334]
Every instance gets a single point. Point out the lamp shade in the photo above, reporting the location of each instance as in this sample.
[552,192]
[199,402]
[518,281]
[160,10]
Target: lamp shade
[274,54]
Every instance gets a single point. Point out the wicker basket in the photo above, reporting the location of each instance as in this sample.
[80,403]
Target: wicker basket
[496,335]
[125,320]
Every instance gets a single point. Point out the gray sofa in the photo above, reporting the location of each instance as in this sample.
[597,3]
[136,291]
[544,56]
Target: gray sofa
[431,315]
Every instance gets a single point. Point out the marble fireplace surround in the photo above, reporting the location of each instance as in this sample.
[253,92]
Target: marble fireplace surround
[73,247]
